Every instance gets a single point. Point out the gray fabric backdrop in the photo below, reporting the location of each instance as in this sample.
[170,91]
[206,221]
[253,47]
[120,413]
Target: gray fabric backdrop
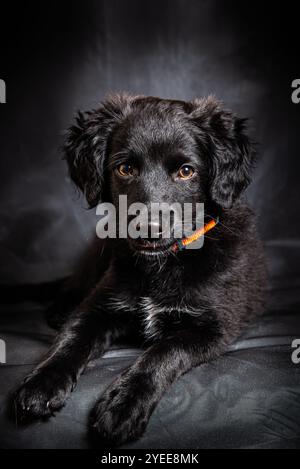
[61,56]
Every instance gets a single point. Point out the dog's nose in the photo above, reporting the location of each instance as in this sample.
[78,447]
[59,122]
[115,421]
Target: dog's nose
[156,229]
[153,227]
[150,230]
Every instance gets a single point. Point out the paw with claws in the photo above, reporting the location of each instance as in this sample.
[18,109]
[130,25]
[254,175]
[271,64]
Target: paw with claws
[42,393]
[123,411]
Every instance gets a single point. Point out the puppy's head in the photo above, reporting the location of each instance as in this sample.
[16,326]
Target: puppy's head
[158,150]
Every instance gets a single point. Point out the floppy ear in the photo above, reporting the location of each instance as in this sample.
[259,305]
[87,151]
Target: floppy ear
[86,145]
[230,153]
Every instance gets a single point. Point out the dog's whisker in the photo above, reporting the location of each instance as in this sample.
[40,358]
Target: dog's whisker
[221,223]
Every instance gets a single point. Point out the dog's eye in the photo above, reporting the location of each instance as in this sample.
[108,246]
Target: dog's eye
[125,169]
[186,172]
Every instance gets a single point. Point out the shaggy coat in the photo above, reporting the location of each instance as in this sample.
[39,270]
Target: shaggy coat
[186,307]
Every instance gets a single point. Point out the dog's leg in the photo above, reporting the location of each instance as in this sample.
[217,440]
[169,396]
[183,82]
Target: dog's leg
[124,409]
[85,335]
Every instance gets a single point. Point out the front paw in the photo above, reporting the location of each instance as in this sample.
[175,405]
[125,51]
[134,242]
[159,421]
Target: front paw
[123,411]
[42,394]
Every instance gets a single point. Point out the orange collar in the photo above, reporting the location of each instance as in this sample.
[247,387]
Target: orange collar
[183,243]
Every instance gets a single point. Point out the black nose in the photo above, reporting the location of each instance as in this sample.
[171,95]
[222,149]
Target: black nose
[156,228]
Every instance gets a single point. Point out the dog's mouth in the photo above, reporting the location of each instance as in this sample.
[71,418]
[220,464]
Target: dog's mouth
[151,247]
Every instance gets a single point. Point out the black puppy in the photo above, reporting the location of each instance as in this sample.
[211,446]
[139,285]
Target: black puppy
[188,306]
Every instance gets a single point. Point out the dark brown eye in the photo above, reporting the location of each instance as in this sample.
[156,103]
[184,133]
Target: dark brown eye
[186,172]
[125,169]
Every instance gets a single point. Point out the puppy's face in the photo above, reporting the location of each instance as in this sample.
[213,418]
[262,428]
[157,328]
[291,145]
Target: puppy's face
[154,158]
[159,151]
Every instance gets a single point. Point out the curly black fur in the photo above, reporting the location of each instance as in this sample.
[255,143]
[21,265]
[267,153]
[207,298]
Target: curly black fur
[188,307]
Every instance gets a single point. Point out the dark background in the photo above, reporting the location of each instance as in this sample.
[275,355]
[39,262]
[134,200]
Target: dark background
[59,56]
